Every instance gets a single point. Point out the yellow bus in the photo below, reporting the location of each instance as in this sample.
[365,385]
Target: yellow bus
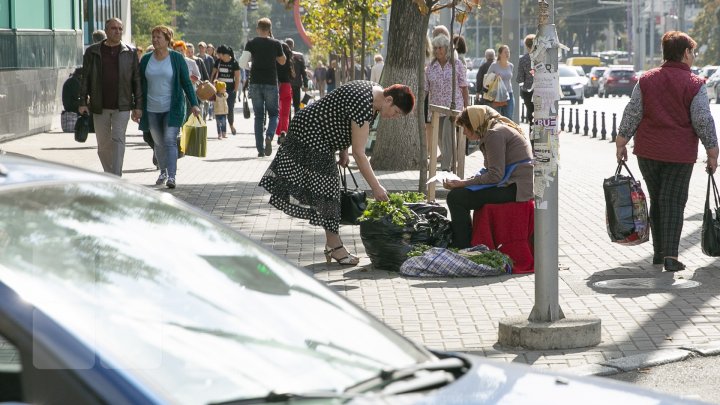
[587,62]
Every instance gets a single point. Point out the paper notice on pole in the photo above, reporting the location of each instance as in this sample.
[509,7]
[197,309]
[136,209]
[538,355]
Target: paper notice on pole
[546,92]
[442,176]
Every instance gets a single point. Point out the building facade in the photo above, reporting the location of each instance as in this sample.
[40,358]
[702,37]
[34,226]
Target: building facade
[41,44]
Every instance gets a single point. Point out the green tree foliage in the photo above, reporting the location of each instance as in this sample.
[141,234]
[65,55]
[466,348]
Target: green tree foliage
[706,32]
[329,22]
[145,15]
[217,22]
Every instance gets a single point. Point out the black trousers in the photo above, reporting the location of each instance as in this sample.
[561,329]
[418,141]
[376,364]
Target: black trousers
[232,96]
[296,98]
[529,106]
[668,185]
[461,201]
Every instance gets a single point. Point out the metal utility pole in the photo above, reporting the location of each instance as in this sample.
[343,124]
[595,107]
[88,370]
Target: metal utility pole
[547,327]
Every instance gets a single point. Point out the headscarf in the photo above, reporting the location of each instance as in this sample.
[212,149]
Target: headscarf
[483,117]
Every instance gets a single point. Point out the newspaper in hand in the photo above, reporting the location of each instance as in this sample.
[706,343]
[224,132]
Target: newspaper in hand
[442,176]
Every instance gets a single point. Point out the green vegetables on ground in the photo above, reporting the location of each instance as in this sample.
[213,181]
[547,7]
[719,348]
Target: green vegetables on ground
[394,208]
[492,258]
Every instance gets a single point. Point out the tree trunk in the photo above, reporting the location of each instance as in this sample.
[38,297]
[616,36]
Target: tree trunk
[399,141]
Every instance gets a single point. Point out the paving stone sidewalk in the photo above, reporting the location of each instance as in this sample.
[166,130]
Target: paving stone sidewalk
[458,314]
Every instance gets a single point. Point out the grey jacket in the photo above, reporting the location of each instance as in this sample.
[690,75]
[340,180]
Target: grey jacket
[129,89]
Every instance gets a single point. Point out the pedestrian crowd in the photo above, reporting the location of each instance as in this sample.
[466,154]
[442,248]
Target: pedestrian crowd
[159,89]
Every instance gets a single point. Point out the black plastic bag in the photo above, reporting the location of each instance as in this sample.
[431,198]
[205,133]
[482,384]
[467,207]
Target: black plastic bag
[388,244]
[82,128]
[710,235]
[626,212]
[440,229]
[352,202]
[422,208]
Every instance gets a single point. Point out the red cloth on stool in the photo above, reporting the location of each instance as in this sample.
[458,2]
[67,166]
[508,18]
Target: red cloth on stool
[510,226]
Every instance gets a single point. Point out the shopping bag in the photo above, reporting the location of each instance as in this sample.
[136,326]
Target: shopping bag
[710,234]
[194,137]
[626,212]
[352,202]
[68,120]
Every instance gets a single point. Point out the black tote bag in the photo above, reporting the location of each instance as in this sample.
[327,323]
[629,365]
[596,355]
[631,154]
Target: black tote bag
[626,211]
[82,128]
[352,202]
[710,235]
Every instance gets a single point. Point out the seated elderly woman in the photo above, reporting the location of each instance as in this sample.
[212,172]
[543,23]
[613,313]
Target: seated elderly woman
[507,176]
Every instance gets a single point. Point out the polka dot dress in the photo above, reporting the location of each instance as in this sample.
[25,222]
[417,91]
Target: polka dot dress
[303,178]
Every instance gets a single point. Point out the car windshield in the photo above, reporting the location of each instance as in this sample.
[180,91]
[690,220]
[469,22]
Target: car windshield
[204,316]
[622,74]
[567,71]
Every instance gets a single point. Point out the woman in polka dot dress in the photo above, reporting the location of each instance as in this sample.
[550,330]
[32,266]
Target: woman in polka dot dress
[303,177]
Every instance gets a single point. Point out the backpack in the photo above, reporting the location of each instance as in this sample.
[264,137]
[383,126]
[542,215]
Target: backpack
[71,93]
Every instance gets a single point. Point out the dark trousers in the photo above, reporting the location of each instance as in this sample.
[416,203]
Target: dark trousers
[296,99]
[529,106]
[232,96]
[461,201]
[668,185]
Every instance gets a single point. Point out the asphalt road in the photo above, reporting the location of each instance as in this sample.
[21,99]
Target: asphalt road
[696,378]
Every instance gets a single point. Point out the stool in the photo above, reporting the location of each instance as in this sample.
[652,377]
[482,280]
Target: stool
[509,226]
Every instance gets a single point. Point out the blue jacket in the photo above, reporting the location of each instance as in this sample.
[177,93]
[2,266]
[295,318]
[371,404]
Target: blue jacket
[181,84]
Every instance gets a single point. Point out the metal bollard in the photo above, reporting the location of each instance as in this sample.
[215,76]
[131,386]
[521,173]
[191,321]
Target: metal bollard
[613,134]
[562,119]
[570,122]
[594,127]
[577,121]
[603,132]
[585,128]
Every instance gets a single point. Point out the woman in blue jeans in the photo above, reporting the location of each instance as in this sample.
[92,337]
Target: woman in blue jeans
[165,84]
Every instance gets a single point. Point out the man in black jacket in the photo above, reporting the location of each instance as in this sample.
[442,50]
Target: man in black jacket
[110,89]
[300,79]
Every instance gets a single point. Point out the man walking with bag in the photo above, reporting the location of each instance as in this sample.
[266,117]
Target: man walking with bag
[110,90]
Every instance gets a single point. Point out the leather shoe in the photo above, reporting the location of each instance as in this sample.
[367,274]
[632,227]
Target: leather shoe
[673,265]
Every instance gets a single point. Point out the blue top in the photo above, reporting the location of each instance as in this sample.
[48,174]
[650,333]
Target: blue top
[181,87]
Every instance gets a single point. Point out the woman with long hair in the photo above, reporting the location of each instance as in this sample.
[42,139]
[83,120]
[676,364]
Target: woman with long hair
[503,68]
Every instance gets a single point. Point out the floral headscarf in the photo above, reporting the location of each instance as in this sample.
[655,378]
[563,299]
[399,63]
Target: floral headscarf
[483,117]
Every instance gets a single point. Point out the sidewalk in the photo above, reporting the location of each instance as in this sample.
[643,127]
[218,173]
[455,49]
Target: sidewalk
[458,314]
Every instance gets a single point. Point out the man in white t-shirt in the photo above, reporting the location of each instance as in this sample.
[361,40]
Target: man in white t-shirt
[377,69]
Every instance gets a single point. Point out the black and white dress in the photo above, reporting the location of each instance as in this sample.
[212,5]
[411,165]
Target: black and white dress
[303,178]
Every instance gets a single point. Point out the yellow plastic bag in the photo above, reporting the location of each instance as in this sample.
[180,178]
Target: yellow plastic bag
[193,139]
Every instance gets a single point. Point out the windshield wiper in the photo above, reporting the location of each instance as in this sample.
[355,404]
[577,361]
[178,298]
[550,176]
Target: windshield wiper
[423,372]
[274,397]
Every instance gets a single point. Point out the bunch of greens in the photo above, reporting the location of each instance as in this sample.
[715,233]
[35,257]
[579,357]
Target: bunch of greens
[491,258]
[418,250]
[394,208]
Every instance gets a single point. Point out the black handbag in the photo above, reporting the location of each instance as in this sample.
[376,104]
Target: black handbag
[710,235]
[352,202]
[246,106]
[82,128]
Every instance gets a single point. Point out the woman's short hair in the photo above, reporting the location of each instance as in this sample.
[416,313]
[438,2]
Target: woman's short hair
[459,43]
[166,31]
[529,39]
[179,44]
[402,97]
[674,44]
[441,41]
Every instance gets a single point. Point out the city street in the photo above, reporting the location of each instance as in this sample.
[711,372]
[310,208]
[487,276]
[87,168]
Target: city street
[642,308]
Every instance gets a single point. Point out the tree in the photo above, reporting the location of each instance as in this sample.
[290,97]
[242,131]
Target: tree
[706,32]
[214,22]
[145,15]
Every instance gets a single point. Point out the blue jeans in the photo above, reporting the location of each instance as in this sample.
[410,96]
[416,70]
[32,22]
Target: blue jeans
[165,139]
[508,110]
[264,98]
[221,121]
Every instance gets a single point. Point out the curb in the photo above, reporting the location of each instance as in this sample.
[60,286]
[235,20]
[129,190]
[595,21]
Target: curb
[645,360]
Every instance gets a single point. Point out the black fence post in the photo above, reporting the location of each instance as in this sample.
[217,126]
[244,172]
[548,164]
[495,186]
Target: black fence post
[562,119]
[586,128]
[570,121]
[594,127]
[613,134]
[603,132]
[577,120]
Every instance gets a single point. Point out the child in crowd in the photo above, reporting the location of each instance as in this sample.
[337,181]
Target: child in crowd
[221,109]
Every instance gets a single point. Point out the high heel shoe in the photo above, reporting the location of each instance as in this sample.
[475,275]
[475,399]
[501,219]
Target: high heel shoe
[347,260]
[673,264]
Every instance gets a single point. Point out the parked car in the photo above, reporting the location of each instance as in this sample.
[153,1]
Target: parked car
[113,293]
[617,80]
[707,71]
[712,86]
[593,79]
[584,78]
[571,84]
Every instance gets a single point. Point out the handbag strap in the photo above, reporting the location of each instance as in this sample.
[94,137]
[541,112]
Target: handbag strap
[622,164]
[343,180]
[716,194]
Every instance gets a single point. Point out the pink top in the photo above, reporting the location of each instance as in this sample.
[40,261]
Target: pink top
[438,82]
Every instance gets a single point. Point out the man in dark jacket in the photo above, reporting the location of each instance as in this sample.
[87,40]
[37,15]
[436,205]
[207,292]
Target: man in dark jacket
[300,79]
[479,88]
[110,89]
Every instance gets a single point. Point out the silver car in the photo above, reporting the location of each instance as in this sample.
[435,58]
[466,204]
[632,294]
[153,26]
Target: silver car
[572,84]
